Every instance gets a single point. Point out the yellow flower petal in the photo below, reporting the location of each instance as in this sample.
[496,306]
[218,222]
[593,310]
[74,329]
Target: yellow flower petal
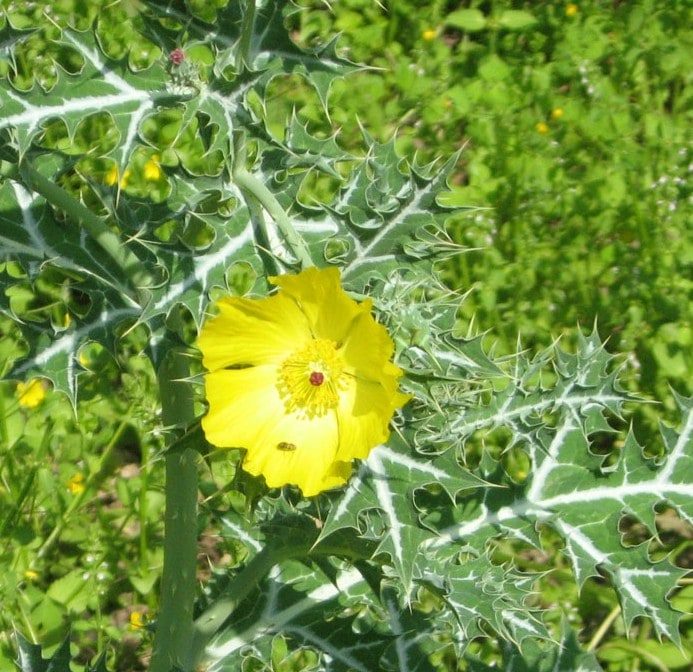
[297,450]
[371,362]
[252,331]
[302,380]
[319,295]
[364,413]
[240,400]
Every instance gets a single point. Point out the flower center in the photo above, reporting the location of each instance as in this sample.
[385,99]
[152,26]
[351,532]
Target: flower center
[310,379]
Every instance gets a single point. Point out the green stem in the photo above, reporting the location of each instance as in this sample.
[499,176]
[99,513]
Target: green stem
[173,639]
[251,185]
[243,584]
[142,512]
[131,266]
[604,628]
[243,53]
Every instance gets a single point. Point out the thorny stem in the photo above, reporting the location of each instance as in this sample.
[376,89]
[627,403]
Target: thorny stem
[253,187]
[173,637]
[131,266]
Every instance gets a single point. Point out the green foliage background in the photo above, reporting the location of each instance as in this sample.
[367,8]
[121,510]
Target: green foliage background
[585,222]
[579,220]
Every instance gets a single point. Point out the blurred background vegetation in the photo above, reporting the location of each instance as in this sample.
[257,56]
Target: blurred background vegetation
[574,125]
[574,121]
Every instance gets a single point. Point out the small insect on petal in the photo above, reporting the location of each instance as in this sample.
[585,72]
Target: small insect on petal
[284,445]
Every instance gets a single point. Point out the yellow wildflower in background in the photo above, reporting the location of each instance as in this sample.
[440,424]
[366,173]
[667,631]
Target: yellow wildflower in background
[76,484]
[571,9]
[111,176]
[137,620]
[557,113]
[152,169]
[542,128]
[126,178]
[301,379]
[31,393]
[429,34]
[31,575]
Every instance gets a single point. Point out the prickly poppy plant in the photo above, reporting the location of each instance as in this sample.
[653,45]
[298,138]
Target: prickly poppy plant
[143,182]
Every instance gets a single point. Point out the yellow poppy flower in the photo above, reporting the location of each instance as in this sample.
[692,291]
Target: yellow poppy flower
[301,379]
[542,128]
[429,34]
[31,393]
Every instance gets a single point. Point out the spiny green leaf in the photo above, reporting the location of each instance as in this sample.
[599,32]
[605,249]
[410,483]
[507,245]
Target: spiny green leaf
[297,601]
[565,656]
[570,490]
[31,660]
[387,211]
[480,592]
[386,482]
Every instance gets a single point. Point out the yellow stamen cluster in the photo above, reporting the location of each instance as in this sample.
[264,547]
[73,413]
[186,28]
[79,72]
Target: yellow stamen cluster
[299,375]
